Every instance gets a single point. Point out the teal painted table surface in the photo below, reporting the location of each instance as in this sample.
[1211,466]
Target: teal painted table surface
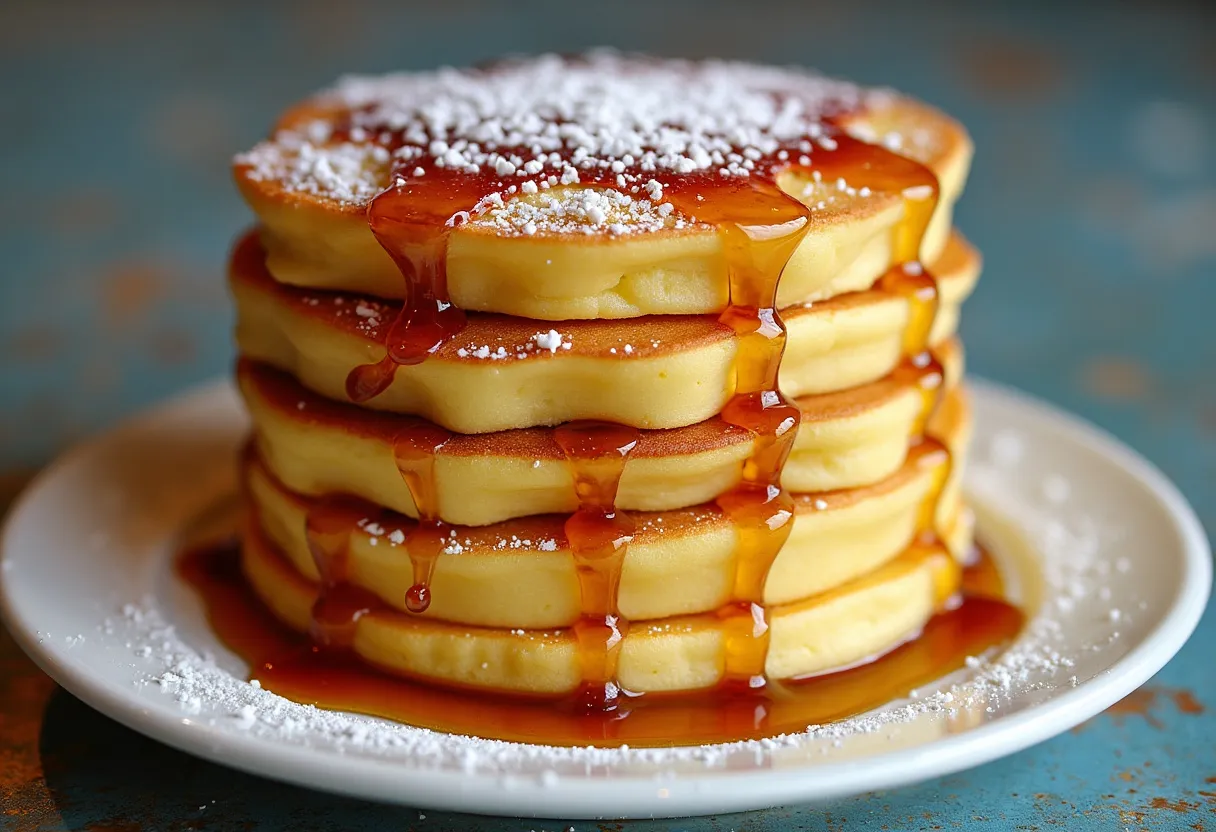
[1093,199]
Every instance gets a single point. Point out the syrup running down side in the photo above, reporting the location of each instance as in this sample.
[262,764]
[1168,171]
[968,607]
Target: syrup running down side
[599,536]
[761,227]
[300,669]
[414,450]
[340,604]
[332,520]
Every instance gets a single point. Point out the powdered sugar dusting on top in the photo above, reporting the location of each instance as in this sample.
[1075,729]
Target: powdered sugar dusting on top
[1044,658]
[545,122]
[579,211]
[350,173]
[600,110]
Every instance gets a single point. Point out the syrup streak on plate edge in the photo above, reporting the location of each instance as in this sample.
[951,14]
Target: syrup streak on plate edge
[87,591]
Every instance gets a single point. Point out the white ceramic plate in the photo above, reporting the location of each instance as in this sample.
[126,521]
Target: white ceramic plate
[1101,548]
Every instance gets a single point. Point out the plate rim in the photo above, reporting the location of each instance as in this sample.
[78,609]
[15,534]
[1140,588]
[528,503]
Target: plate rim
[485,793]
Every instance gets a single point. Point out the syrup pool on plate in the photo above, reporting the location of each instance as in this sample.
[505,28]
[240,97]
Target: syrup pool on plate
[296,667]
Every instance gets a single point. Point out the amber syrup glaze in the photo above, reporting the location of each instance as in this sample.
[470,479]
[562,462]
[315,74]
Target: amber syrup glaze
[414,450]
[340,604]
[332,520]
[760,227]
[292,665]
[599,537]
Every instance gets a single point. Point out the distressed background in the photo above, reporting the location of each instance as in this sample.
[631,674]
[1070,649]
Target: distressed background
[1093,198]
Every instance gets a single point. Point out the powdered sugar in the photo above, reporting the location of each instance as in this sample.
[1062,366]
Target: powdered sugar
[539,542]
[348,173]
[549,122]
[554,116]
[579,211]
[542,343]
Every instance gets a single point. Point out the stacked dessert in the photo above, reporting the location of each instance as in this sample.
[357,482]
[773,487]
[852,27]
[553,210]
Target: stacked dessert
[574,376]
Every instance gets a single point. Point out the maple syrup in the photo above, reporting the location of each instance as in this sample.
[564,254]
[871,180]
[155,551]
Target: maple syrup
[599,537]
[292,665]
[414,450]
[761,227]
[340,604]
[413,220]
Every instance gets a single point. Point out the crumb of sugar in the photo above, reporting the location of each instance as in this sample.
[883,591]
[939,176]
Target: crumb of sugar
[1007,448]
[581,211]
[349,173]
[1056,489]
[538,344]
[551,340]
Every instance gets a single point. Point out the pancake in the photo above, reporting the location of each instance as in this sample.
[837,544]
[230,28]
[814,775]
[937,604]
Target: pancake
[565,252]
[854,622]
[504,373]
[520,573]
[316,446]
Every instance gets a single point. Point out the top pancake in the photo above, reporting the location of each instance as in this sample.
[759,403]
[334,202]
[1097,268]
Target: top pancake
[543,242]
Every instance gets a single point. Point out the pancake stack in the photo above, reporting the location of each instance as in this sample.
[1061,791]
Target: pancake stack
[602,375]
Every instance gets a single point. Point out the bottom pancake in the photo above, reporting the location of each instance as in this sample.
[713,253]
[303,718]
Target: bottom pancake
[863,618]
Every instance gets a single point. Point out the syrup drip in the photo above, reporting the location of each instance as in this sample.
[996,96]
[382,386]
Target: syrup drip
[761,226]
[332,520]
[286,663]
[340,604]
[412,221]
[414,450]
[599,537]
[933,454]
